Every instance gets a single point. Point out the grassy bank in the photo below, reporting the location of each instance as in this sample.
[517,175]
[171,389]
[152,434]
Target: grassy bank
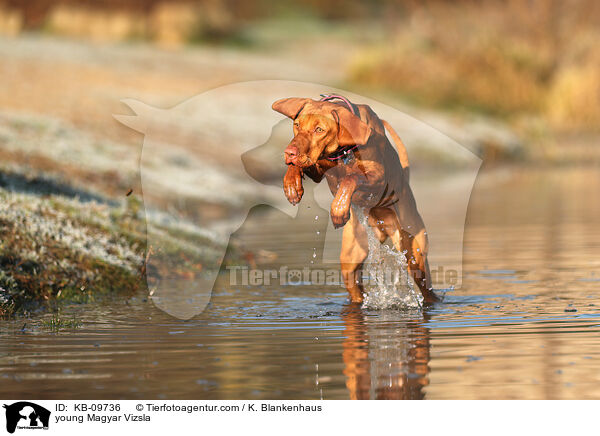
[58,249]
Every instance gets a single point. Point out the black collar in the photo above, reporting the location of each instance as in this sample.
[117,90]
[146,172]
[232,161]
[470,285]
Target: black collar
[341,152]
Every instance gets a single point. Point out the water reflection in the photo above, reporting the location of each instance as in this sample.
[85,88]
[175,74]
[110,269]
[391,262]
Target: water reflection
[385,357]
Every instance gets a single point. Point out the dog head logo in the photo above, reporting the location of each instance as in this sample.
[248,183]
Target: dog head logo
[208,161]
[26,415]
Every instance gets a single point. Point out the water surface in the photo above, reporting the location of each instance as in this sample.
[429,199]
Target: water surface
[524,324]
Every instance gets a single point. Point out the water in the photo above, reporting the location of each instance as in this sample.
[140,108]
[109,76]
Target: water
[524,325]
[388,285]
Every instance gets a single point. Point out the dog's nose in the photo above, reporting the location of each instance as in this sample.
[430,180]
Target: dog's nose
[291,154]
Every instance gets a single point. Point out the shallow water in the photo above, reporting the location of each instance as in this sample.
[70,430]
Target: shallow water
[524,324]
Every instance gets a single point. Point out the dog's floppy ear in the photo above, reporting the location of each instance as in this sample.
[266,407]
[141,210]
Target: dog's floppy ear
[351,129]
[290,107]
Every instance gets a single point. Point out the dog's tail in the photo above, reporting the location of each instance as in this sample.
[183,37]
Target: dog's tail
[402,154]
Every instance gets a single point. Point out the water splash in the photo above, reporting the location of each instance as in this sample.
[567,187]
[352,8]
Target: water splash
[386,279]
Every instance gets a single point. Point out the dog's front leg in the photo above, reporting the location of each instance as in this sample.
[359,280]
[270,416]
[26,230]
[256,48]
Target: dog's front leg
[340,207]
[364,175]
[292,184]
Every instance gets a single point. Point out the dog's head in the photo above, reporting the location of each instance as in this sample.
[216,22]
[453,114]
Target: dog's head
[320,128]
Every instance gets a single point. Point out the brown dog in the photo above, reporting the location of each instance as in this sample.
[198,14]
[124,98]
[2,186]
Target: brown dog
[346,144]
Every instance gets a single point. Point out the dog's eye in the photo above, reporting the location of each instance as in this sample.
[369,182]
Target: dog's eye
[318,130]
[295,124]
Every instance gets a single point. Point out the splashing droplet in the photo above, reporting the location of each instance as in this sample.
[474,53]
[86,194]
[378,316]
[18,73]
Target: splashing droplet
[388,284]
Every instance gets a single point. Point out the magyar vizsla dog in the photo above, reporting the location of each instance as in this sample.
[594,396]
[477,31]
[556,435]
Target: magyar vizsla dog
[346,144]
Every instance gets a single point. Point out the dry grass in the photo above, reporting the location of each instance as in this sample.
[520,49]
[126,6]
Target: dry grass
[505,58]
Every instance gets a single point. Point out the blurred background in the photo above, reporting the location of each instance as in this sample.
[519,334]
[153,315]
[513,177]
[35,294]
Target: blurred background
[523,73]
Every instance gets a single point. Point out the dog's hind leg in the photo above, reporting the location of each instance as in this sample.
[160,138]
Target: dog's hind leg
[416,248]
[355,248]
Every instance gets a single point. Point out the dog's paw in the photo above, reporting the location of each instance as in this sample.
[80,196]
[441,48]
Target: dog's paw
[292,185]
[340,214]
[293,193]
